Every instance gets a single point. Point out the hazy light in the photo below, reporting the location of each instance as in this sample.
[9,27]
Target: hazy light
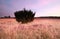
[41,7]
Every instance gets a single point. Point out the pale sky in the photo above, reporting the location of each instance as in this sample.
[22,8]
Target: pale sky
[41,7]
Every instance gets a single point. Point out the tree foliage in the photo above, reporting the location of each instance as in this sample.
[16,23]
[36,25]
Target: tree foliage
[24,16]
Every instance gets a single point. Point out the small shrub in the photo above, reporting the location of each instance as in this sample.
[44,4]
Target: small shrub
[24,16]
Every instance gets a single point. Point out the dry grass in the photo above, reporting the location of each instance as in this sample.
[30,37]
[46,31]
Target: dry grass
[38,29]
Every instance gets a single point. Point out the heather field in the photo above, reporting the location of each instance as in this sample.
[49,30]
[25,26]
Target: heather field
[40,28]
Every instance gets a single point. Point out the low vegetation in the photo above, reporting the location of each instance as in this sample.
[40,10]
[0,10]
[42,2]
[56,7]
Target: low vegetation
[38,29]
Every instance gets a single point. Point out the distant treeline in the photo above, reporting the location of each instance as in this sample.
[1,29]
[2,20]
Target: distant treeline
[34,17]
[6,17]
[53,17]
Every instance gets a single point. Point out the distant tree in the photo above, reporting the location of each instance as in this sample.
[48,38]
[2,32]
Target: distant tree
[9,17]
[24,16]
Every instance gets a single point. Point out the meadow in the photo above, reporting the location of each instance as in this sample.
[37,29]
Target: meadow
[40,28]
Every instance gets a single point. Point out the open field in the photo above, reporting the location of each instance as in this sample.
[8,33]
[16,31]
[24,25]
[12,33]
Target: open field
[40,28]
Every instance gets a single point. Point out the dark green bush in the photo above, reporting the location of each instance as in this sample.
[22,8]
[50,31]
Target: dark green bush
[24,16]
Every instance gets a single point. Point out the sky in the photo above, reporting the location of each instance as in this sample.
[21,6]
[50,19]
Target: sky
[41,7]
